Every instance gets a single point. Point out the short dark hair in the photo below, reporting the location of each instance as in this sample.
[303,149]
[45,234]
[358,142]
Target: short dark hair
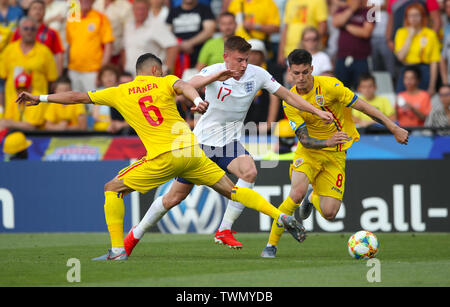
[108,67]
[237,43]
[41,2]
[414,69]
[224,14]
[147,57]
[299,57]
[366,77]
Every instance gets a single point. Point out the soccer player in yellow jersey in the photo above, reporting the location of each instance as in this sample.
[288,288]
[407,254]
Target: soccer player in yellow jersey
[321,152]
[147,104]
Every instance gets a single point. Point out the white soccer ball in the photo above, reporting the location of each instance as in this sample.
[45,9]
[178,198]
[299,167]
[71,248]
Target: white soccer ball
[363,244]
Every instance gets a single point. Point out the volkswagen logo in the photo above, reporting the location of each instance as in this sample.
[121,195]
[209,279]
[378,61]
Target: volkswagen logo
[200,212]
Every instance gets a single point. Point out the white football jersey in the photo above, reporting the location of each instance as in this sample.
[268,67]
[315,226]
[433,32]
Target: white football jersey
[229,102]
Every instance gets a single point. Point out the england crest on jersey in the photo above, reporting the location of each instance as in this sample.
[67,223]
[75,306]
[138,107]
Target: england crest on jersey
[249,86]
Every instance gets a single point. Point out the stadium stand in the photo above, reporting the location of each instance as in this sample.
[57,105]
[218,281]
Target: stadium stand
[96,29]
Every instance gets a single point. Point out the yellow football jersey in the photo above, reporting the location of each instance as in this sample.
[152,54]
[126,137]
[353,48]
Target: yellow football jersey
[147,103]
[59,112]
[328,94]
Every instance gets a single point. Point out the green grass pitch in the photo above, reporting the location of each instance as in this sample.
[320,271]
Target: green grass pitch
[193,260]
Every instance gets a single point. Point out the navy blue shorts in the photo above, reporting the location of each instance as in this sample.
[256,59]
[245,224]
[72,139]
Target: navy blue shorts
[222,156]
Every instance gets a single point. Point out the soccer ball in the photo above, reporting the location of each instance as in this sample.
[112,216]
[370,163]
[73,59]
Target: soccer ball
[363,244]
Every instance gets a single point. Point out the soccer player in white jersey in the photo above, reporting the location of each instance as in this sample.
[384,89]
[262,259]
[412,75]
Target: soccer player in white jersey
[230,89]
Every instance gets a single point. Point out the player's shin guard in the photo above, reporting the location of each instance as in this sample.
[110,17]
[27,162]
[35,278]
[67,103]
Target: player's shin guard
[288,206]
[114,214]
[253,200]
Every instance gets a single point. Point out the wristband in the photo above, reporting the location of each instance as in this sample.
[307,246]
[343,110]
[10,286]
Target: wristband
[43,98]
[197,101]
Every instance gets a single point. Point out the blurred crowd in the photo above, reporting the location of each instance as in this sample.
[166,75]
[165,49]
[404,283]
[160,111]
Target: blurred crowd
[394,53]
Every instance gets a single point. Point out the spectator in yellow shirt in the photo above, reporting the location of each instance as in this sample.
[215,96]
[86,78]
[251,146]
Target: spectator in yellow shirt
[299,14]
[90,39]
[416,44]
[9,19]
[65,117]
[255,18]
[108,76]
[27,65]
[367,87]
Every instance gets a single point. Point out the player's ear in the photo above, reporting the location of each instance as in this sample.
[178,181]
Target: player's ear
[156,70]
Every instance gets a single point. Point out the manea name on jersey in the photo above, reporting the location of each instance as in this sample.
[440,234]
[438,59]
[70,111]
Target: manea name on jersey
[148,104]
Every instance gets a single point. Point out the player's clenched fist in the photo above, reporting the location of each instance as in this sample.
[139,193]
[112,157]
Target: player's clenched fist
[28,99]
[326,117]
[401,135]
[201,108]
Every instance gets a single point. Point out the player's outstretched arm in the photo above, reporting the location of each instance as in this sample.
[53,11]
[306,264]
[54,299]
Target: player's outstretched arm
[62,98]
[298,102]
[188,91]
[400,134]
[200,82]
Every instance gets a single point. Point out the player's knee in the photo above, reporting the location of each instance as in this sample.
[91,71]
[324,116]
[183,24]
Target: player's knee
[329,213]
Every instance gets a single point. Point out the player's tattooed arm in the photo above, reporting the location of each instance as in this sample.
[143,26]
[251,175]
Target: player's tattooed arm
[309,142]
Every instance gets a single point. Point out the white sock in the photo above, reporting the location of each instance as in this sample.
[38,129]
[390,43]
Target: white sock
[153,215]
[234,209]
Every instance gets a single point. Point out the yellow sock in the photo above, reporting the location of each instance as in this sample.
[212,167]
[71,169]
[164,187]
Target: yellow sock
[253,200]
[315,199]
[288,206]
[114,214]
